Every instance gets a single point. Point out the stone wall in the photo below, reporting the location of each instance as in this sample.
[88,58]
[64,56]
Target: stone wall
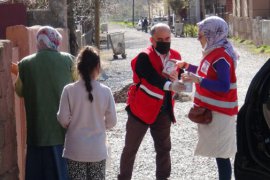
[266,32]
[256,30]
[8,143]
[241,27]
[55,16]
[231,25]
[25,38]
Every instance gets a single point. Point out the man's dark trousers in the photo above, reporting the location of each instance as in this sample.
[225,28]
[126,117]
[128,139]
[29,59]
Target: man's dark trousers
[160,132]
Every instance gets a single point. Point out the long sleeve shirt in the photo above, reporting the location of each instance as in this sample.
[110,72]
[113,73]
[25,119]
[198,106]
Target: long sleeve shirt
[86,121]
[144,69]
[222,84]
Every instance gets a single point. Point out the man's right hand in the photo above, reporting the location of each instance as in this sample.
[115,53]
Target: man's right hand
[177,86]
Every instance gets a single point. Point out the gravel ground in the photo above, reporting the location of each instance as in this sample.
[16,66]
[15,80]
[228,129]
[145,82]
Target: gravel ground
[185,166]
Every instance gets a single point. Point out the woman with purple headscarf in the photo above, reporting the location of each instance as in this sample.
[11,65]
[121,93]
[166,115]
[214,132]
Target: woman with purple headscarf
[216,90]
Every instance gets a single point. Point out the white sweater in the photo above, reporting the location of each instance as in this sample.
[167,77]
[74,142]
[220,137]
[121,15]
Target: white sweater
[86,122]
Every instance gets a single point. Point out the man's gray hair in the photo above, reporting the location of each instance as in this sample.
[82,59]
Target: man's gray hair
[159,25]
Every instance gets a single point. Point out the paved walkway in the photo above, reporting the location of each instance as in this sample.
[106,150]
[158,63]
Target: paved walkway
[185,166]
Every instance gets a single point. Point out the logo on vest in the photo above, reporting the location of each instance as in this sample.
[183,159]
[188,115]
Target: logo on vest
[205,66]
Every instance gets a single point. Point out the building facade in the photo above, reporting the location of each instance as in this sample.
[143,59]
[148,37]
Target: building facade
[252,8]
[221,8]
[250,20]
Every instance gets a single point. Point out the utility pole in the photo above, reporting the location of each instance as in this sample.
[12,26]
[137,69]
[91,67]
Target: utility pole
[149,13]
[97,38]
[133,13]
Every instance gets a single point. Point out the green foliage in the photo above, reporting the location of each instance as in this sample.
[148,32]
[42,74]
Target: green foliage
[190,30]
[249,44]
[124,23]
[263,49]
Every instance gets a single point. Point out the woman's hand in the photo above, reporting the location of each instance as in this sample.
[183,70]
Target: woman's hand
[190,77]
[14,68]
[181,64]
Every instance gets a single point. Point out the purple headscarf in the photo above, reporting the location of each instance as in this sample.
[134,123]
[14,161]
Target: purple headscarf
[215,29]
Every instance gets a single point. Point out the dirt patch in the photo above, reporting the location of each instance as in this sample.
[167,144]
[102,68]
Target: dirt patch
[121,96]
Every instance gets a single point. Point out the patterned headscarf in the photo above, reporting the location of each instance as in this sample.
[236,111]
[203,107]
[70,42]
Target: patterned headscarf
[215,29]
[49,37]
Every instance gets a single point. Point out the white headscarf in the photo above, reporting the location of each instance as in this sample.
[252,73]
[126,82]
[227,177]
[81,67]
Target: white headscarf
[216,30]
[49,37]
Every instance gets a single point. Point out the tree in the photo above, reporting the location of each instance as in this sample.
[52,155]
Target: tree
[97,18]
[72,27]
[179,7]
[89,12]
[202,3]
[38,4]
[80,12]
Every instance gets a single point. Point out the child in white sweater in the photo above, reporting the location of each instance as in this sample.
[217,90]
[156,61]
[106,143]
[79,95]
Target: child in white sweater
[87,109]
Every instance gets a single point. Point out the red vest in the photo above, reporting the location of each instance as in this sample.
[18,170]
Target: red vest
[223,102]
[144,99]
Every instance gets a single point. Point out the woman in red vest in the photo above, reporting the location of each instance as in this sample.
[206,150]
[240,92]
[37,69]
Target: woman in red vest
[216,90]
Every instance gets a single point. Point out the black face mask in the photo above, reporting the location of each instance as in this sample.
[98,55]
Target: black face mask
[163,47]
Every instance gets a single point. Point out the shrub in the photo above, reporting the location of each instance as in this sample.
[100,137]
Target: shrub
[190,30]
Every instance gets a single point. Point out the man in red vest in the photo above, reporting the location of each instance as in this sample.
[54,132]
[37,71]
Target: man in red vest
[150,103]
